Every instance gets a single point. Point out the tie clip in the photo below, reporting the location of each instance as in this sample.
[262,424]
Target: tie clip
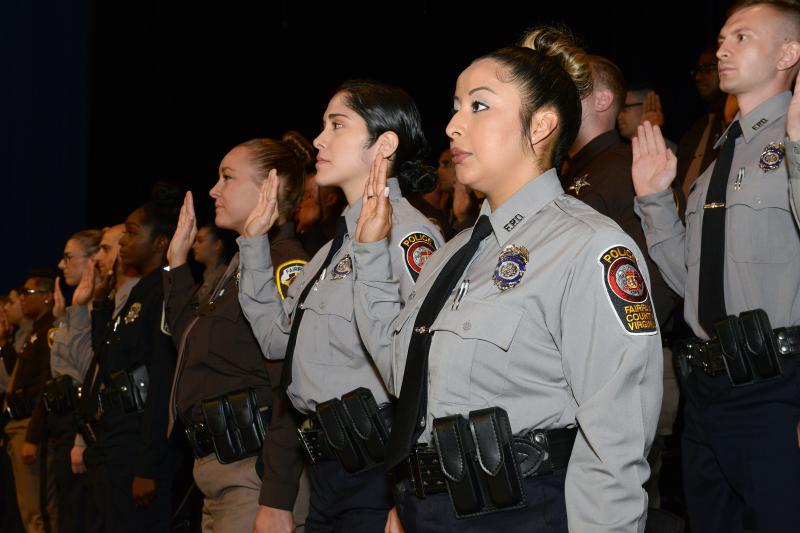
[714,205]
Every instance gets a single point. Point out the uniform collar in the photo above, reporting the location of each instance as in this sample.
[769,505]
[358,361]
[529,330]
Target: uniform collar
[769,111]
[524,204]
[593,148]
[351,213]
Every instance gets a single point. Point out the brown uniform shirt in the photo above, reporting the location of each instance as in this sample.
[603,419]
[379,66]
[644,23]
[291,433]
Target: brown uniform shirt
[221,355]
[600,176]
[33,370]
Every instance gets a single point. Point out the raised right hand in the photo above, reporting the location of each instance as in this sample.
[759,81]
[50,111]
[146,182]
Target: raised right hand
[375,220]
[185,233]
[85,289]
[265,213]
[272,520]
[59,304]
[654,165]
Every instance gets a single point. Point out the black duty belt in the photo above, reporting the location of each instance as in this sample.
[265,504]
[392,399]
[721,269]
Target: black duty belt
[708,356]
[538,452]
[234,427]
[352,431]
[20,405]
[61,395]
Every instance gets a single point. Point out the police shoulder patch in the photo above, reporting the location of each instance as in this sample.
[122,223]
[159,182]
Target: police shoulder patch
[627,291]
[286,273]
[51,337]
[417,247]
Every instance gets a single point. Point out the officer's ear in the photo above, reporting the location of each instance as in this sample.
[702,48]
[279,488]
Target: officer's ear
[601,99]
[162,243]
[387,143]
[543,123]
[790,55]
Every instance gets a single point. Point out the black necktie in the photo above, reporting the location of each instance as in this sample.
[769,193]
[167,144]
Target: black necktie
[411,411]
[286,372]
[711,298]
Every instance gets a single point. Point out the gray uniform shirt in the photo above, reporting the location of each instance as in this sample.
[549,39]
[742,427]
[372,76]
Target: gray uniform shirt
[762,247]
[71,353]
[552,350]
[329,357]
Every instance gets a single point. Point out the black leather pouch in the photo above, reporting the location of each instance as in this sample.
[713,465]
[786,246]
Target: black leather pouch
[730,334]
[334,421]
[247,422]
[496,458]
[760,345]
[368,424]
[456,451]
[216,413]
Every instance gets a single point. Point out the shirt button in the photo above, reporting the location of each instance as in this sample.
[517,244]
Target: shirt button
[411,296]
[466,326]
[322,305]
[758,200]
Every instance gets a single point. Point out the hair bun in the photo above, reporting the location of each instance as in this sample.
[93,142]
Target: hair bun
[300,147]
[166,194]
[559,44]
[418,177]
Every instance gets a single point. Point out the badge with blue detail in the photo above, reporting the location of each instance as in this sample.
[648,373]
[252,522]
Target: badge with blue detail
[771,157]
[342,268]
[511,267]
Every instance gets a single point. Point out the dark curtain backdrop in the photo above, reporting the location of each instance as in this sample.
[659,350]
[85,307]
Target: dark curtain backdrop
[103,98]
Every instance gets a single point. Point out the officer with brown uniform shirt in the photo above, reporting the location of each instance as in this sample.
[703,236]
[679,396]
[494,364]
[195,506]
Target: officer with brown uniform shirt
[219,357]
[29,370]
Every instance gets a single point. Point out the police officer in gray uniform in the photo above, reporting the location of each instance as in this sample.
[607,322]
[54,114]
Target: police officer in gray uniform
[736,264]
[315,327]
[538,371]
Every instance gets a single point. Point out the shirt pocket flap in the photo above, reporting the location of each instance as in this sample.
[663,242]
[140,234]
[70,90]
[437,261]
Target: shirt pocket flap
[478,319]
[332,297]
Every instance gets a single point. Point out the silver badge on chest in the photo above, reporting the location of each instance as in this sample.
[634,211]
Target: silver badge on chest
[342,268]
[771,157]
[511,267]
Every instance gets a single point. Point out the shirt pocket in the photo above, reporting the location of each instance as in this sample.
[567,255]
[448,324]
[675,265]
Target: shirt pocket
[472,348]
[328,328]
[759,225]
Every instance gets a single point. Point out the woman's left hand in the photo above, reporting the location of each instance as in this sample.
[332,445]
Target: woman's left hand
[375,220]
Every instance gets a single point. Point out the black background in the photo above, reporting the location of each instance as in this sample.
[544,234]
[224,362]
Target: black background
[101,99]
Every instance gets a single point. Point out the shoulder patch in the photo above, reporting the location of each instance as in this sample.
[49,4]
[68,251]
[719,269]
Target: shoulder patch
[416,248]
[51,337]
[286,273]
[627,291]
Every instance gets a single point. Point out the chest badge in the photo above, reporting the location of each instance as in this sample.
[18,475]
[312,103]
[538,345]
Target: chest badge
[342,268]
[133,313]
[511,267]
[579,183]
[771,157]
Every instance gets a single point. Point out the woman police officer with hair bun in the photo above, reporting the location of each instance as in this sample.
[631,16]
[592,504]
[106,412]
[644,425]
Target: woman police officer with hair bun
[329,376]
[528,361]
[223,389]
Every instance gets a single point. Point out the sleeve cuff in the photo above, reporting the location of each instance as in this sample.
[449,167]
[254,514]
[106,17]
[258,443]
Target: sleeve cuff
[254,253]
[278,495]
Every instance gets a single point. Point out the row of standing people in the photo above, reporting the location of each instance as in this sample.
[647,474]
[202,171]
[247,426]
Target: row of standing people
[524,354]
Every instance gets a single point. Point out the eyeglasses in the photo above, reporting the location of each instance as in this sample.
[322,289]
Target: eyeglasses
[706,68]
[31,292]
[67,256]
[634,104]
